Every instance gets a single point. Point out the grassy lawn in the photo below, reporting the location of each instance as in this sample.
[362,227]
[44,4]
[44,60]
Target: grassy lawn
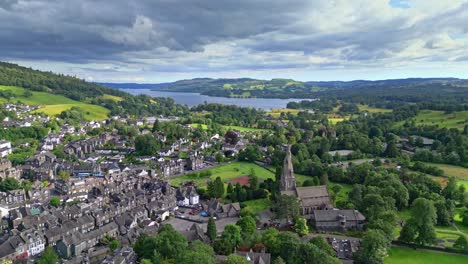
[465,183]
[371,109]
[405,255]
[51,104]
[259,205]
[226,172]
[440,118]
[447,237]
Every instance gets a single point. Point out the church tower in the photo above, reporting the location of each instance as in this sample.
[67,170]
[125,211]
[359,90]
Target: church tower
[288,181]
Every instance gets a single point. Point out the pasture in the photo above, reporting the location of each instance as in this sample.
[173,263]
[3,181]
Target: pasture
[441,119]
[406,255]
[52,104]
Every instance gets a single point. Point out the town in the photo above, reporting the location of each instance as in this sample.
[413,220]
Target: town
[90,195]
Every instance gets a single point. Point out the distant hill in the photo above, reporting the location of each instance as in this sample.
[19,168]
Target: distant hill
[134,85]
[280,88]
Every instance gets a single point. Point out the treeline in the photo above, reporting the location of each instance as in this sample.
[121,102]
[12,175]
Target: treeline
[71,87]
[432,96]
[23,133]
[231,115]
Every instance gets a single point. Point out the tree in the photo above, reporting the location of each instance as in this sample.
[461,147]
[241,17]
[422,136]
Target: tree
[270,240]
[323,245]
[278,260]
[253,181]
[211,229]
[286,206]
[247,225]
[300,227]
[26,185]
[63,175]
[114,244]
[48,256]
[464,217]
[232,234]
[219,157]
[216,188]
[461,242]
[450,191]
[236,259]
[170,244]
[288,245]
[229,189]
[55,201]
[324,179]
[374,248]
[231,137]
[392,150]
[199,253]
[420,227]
[9,184]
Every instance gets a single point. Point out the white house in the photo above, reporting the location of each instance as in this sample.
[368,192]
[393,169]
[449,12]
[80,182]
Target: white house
[5,148]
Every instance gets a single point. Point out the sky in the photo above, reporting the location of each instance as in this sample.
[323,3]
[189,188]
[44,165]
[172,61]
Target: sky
[152,41]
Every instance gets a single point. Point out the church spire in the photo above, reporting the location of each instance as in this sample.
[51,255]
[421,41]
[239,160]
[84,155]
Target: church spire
[288,181]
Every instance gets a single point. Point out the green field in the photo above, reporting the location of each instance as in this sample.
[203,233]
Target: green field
[112,97]
[371,109]
[405,255]
[196,125]
[238,128]
[452,170]
[440,118]
[226,172]
[276,112]
[51,104]
[245,129]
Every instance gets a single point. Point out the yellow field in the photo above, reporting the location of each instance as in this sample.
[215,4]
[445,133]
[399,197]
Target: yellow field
[52,104]
[112,97]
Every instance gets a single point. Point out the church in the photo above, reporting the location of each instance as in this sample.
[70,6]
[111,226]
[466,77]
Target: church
[310,198]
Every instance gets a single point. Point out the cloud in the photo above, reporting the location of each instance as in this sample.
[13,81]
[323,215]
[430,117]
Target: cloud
[177,36]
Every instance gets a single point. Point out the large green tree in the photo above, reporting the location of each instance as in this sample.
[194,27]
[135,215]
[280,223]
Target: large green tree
[198,253]
[420,227]
[286,206]
[211,229]
[247,225]
[374,248]
[48,256]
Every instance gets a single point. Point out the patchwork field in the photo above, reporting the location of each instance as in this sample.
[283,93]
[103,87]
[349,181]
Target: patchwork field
[371,109]
[406,255]
[51,104]
[276,112]
[441,119]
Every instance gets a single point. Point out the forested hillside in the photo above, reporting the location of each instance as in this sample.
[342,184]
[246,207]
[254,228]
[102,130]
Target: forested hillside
[288,88]
[118,102]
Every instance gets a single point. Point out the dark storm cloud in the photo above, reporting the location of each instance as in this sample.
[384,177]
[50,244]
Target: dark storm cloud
[180,35]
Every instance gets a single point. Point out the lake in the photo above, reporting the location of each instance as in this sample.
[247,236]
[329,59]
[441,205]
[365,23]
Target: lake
[193,99]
